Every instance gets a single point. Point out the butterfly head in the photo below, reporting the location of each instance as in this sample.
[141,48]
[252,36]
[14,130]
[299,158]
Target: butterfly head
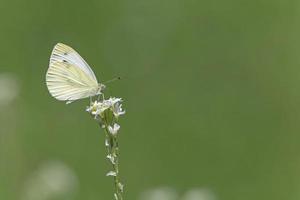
[101,87]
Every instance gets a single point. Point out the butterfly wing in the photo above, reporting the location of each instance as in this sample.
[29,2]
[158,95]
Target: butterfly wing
[69,77]
[64,53]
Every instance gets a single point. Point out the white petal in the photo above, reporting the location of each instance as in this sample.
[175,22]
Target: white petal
[114,130]
[111,158]
[106,143]
[111,173]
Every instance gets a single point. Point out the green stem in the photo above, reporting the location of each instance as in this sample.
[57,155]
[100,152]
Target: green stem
[113,152]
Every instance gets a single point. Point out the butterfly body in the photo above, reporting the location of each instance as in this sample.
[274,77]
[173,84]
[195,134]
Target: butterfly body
[69,77]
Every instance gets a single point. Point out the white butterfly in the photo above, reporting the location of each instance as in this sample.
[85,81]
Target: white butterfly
[69,77]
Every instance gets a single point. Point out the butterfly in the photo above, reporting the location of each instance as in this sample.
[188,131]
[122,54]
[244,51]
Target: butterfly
[69,77]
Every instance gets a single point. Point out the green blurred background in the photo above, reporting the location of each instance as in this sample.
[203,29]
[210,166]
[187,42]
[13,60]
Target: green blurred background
[211,90]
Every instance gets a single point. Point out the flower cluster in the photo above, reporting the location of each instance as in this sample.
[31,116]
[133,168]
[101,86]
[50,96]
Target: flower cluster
[107,112]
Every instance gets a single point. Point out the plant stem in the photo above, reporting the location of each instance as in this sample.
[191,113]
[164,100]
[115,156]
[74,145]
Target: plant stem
[112,147]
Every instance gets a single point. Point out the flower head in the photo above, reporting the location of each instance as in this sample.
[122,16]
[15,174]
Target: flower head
[97,108]
[113,104]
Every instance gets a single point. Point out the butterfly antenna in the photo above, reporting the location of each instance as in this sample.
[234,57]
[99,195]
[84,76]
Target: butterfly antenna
[112,80]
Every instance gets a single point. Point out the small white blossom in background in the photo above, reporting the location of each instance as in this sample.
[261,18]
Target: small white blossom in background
[9,111]
[9,88]
[199,194]
[167,193]
[161,193]
[51,180]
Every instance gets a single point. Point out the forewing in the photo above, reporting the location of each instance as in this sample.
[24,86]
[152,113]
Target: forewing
[64,53]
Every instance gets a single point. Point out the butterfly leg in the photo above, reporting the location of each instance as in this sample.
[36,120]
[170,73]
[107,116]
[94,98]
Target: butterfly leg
[99,97]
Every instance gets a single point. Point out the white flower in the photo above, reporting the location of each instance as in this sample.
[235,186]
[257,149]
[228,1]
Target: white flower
[117,109]
[93,108]
[114,100]
[102,106]
[115,106]
[114,130]
[113,103]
